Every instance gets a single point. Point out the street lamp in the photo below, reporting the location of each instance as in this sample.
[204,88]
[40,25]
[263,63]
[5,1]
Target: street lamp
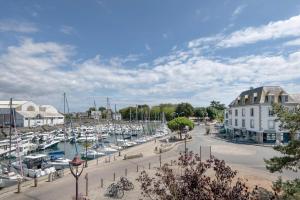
[76,169]
[86,146]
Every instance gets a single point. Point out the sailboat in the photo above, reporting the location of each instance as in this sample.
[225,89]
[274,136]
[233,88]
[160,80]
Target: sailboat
[7,176]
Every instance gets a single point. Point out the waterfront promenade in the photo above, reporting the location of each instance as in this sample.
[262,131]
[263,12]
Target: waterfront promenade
[247,159]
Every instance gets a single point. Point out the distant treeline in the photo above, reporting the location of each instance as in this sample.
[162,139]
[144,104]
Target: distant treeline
[140,112]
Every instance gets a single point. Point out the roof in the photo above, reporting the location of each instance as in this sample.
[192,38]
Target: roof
[258,95]
[295,98]
[32,114]
[5,104]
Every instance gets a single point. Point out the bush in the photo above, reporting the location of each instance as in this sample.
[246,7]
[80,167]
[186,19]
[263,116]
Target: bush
[211,179]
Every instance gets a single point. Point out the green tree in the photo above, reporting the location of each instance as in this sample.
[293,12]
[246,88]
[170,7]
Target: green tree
[290,160]
[200,112]
[179,123]
[217,105]
[102,109]
[90,110]
[184,109]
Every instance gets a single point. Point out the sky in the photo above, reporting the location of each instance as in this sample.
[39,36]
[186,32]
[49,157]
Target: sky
[138,51]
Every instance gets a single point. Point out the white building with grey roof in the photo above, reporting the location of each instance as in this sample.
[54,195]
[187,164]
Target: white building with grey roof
[250,116]
[29,114]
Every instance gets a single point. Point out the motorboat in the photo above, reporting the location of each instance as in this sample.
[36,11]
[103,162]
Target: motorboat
[91,154]
[48,144]
[34,165]
[108,150]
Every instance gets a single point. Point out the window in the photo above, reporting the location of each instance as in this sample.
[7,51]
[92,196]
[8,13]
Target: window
[236,112]
[286,98]
[236,122]
[283,98]
[226,115]
[271,112]
[230,122]
[252,123]
[226,122]
[243,112]
[252,112]
[271,98]
[271,124]
[254,99]
[243,123]
[230,112]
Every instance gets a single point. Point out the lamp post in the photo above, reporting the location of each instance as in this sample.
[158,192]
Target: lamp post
[86,146]
[76,169]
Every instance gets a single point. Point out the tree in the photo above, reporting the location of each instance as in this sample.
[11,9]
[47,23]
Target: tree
[200,112]
[90,110]
[102,109]
[290,160]
[184,109]
[179,123]
[197,181]
[217,105]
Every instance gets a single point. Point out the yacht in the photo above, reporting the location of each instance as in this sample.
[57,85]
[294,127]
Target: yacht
[91,154]
[8,178]
[48,144]
[34,166]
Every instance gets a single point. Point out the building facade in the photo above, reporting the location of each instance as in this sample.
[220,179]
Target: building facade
[250,116]
[29,114]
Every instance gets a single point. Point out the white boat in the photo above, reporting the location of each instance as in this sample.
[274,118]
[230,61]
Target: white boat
[59,163]
[48,144]
[34,166]
[91,154]
[108,150]
[87,137]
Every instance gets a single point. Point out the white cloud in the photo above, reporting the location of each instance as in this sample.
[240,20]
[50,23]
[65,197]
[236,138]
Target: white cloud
[238,10]
[44,70]
[147,47]
[68,30]
[273,30]
[17,26]
[295,42]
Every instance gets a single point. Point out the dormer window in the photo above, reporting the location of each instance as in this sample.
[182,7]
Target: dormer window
[254,97]
[283,98]
[270,98]
[246,98]
[238,100]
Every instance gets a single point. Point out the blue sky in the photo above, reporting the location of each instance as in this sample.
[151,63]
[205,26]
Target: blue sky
[146,51]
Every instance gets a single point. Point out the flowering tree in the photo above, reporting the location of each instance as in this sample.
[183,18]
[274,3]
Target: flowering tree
[196,181]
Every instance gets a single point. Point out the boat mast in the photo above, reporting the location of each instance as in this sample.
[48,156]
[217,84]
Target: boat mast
[18,148]
[10,126]
[65,134]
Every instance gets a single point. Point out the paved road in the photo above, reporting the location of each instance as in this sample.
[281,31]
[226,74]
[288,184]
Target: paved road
[248,156]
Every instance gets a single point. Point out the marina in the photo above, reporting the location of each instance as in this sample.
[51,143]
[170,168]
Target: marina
[41,153]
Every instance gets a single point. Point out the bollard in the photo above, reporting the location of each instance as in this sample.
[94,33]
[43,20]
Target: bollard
[119,153]
[200,153]
[159,160]
[35,181]
[126,172]
[114,176]
[114,157]
[109,158]
[149,165]
[210,152]
[101,181]
[50,177]
[86,184]
[137,168]
[19,186]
